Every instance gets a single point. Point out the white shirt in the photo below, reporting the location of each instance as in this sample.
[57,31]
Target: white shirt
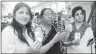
[12,44]
[82,47]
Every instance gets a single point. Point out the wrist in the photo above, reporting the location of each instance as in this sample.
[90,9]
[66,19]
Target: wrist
[67,44]
[71,43]
[51,43]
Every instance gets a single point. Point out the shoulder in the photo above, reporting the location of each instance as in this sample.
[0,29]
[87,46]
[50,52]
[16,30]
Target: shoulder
[89,33]
[8,39]
[8,29]
[8,35]
[86,24]
[89,29]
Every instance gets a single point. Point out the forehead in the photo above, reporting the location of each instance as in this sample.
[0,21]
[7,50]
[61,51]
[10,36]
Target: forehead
[22,9]
[79,11]
[48,11]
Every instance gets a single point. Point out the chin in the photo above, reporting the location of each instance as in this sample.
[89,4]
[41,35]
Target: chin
[24,24]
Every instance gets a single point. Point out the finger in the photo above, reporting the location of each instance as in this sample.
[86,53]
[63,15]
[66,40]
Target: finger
[36,42]
[62,34]
[76,42]
[37,47]
[57,33]
[73,41]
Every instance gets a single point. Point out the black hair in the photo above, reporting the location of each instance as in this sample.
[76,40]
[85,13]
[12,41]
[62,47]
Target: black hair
[37,13]
[76,9]
[43,10]
[18,27]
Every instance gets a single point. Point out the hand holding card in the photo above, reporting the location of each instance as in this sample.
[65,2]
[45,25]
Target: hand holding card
[39,34]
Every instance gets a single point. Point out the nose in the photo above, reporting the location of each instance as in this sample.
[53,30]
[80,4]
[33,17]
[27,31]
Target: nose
[51,18]
[24,15]
[80,16]
[49,15]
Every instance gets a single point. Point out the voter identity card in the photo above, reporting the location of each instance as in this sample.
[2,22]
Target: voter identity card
[77,35]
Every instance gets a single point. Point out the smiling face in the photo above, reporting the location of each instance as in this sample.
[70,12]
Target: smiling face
[79,16]
[22,16]
[48,16]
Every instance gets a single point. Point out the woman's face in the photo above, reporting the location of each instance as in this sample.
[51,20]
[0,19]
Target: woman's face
[79,16]
[22,16]
[48,16]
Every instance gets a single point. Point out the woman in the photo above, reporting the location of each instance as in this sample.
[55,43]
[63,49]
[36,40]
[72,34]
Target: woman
[19,37]
[49,32]
[81,34]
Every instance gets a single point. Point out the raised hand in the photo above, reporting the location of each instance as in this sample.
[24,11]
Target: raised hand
[39,34]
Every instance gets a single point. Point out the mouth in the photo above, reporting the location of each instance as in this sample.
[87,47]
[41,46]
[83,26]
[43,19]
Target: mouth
[24,20]
[80,19]
[50,20]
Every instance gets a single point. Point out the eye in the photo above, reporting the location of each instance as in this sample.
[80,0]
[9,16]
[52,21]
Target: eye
[27,13]
[45,14]
[81,13]
[76,14]
[21,12]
